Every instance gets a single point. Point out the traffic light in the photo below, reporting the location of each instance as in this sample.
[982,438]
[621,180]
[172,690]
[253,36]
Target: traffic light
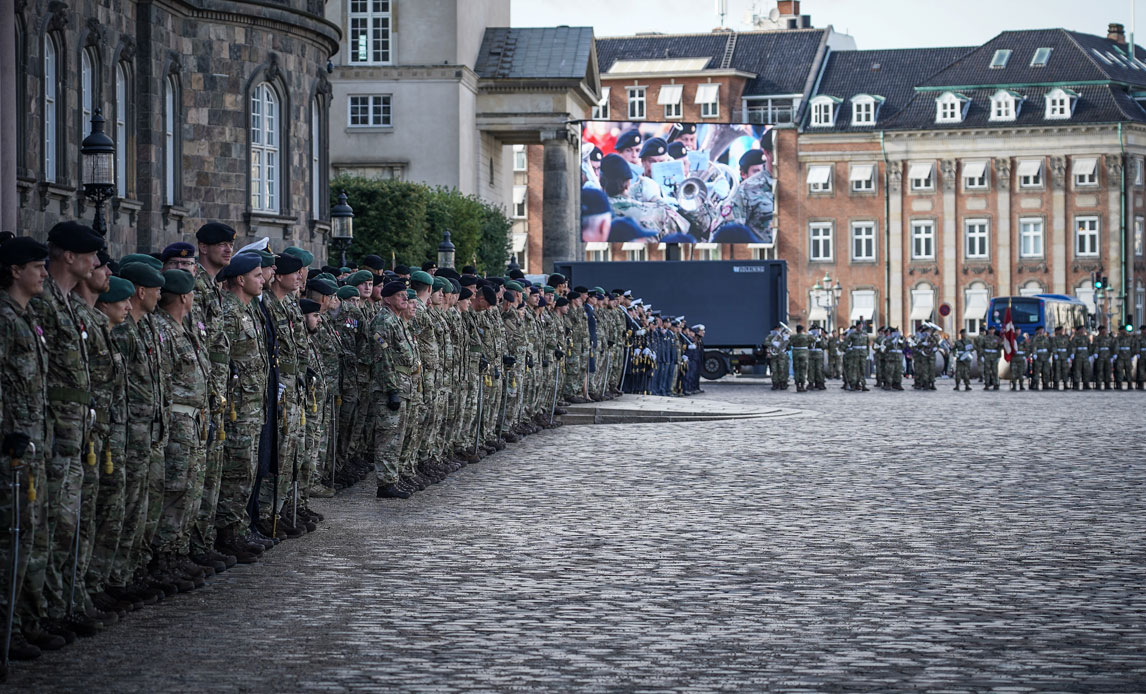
[1129,323]
[1098,280]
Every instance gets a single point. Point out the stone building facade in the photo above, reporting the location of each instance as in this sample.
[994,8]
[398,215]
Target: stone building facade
[218,109]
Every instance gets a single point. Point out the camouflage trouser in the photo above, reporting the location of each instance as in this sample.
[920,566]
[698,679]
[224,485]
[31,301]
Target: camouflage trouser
[779,367]
[1018,371]
[1042,371]
[360,427]
[800,366]
[816,368]
[315,466]
[894,370]
[426,426]
[853,369]
[1059,370]
[31,476]
[923,366]
[156,479]
[962,372]
[136,466]
[991,370]
[288,434]
[65,477]
[183,467]
[1079,370]
[408,459]
[574,375]
[87,528]
[1103,370]
[1140,371]
[833,365]
[109,509]
[491,401]
[203,531]
[389,436]
[240,460]
[1124,369]
[346,417]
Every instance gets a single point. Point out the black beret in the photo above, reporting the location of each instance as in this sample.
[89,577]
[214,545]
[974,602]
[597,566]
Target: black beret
[324,287]
[177,250]
[561,301]
[573,295]
[579,288]
[142,275]
[429,265]
[516,274]
[509,296]
[22,250]
[75,237]
[392,288]
[489,295]
[468,280]
[214,232]
[456,284]
[449,273]
[469,270]
[241,264]
[286,264]
[103,257]
[373,262]
[614,168]
[596,154]
[308,306]
[178,282]
[752,157]
[676,150]
[402,269]
[465,293]
[556,280]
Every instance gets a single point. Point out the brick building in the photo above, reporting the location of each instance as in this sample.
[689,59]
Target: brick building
[925,177]
[218,109]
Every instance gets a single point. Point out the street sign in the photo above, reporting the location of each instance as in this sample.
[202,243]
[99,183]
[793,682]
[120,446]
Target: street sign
[945,310]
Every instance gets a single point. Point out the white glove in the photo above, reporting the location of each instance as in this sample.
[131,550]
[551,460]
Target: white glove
[641,331]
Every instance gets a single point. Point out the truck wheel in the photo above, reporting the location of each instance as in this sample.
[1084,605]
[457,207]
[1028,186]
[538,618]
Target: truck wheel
[715,366]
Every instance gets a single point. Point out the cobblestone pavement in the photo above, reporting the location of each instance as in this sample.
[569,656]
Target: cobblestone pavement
[915,541]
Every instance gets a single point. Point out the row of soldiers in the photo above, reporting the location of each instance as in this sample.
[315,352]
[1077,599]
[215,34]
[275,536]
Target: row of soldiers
[168,416]
[1053,361]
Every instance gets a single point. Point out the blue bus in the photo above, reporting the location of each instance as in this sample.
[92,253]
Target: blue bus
[1029,313]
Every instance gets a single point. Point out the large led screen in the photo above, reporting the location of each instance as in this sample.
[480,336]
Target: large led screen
[676,182]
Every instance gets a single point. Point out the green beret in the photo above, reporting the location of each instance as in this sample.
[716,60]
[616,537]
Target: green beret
[514,285]
[348,292]
[328,277]
[598,290]
[118,290]
[324,287]
[148,260]
[304,255]
[547,289]
[422,277]
[178,282]
[266,258]
[411,294]
[440,284]
[344,271]
[142,275]
[360,277]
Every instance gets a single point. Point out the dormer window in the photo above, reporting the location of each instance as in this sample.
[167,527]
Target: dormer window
[864,108]
[1060,103]
[999,61]
[950,108]
[1005,105]
[824,111]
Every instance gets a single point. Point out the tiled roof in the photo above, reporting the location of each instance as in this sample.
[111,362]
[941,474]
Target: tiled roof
[891,74]
[780,60]
[543,53]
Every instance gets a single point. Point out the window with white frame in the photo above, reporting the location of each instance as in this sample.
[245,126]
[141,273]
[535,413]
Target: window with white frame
[922,176]
[1004,105]
[122,118]
[640,252]
[769,111]
[999,60]
[706,251]
[862,177]
[598,252]
[820,178]
[922,239]
[863,307]
[863,241]
[671,97]
[761,252]
[1041,57]
[370,31]
[1031,173]
[1084,170]
[820,241]
[1139,244]
[1060,104]
[976,235]
[975,175]
[1138,171]
[520,163]
[636,103]
[976,302]
[170,124]
[51,107]
[1086,237]
[1031,238]
[265,129]
[708,98]
[823,112]
[949,108]
[317,175]
[370,111]
[520,202]
[87,91]
[601,110]
[864,109]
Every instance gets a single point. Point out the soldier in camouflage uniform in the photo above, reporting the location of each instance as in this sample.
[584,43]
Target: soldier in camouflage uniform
[24,438]
[1080,351]
[1042,350]
[989,345]
[752,205]
[1124,346]
[777,345]
[1018,369]
[894,344]
[1103,348]
[1061,366]
[395,377]
[325,361]
[855,358]
[816,360]
[964,353]
[835,354]
[800,344]
[72,249]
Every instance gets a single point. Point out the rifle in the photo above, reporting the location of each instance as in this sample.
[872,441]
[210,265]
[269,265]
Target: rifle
[14,531]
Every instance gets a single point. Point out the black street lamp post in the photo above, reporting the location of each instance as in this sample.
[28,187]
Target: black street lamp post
[342,225]
[98,153]
[446,251]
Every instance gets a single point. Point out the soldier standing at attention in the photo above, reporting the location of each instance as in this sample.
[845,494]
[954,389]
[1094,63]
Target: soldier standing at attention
[1060,369]
[991,343]
[1103,351]
[894,344]
[834,354]
[1019,362]
[1080,351]
[816,360]
[394,377]
[856,345]
[964,353]
[778,353]
[1041,350]
[1124,347]
[800,343]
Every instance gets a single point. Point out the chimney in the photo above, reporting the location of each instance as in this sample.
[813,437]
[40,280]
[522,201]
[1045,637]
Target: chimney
[789,7]
[1116,33]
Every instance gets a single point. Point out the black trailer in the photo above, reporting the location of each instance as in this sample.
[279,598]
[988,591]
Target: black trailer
[738,301]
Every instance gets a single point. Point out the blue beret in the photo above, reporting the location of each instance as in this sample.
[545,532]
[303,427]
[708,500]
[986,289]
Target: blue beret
[594,201]
[679,237]
[214,232]
[177,250]
[241,264]
[118,290]
[614,168]
[627,139]
[22,250]
[596,154]
[752,157]
[75,237]
[625,229]
[654,147]
[735,233]
[676,150]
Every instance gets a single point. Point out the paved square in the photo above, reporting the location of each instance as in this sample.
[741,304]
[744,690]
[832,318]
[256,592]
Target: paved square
[934,541]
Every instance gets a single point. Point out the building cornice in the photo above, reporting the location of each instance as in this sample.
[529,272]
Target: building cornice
[270,15]
[606,76]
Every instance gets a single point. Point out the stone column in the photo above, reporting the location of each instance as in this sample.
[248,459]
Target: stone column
[1003,226]
[560,204]
[9,202]
[895,242]
[950,245]
[1057,258]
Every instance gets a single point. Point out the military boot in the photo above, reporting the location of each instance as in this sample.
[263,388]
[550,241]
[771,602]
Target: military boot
[20,649]
[215,566]
[45,640]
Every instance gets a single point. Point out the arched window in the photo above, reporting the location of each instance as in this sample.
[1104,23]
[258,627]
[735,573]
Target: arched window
[122,107]
[170,141]
[87,91]
[1031,287]
[316,175]
[51,112]
[265,127]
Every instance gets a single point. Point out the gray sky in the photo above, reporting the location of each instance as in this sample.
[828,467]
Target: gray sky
[873,23]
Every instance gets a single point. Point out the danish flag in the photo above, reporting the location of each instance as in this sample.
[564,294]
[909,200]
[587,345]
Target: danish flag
[1009,345]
